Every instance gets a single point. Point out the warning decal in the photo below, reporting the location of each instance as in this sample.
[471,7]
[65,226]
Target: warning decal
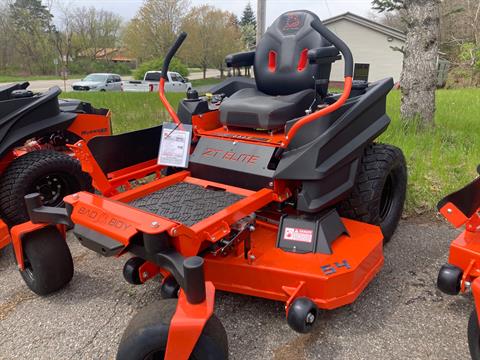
[298,234]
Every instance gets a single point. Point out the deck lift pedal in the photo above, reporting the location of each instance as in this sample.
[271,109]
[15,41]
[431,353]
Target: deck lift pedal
[274,162]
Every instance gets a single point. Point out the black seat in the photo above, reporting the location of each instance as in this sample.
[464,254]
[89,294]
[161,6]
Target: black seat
[285,78]
[253,109]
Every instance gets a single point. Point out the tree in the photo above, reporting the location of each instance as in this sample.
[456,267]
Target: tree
[63,38]
[32,23]
[419,75]
[248,26]
[94,30]
[7,48]
[248,16]
[212,34]
[154,28]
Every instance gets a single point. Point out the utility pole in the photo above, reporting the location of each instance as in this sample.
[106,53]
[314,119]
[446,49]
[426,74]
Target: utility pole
[261,18]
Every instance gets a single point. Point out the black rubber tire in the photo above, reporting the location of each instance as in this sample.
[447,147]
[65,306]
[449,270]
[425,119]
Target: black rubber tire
[170,288]
[474,336]
[378,196]
[297,316]
[147,333]
[23,173]
[130,270]
[48,261]
[449,279]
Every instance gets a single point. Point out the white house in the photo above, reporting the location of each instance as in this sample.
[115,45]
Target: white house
[372,44]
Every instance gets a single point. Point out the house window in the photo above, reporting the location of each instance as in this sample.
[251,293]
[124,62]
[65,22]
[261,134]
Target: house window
[361,72]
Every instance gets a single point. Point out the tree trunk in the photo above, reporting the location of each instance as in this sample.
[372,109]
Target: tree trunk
[204,72]
[222,71]
[419,75]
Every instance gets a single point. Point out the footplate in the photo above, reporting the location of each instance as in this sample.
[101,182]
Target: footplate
[186,203]
[163,213]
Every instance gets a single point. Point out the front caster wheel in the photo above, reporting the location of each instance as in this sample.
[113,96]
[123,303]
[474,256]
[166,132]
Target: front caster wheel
[474,336]
[169,288]
[449,279]
[131,271]
[48,261]
[302,315]
[147,333]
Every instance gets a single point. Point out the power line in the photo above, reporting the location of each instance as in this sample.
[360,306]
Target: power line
[328,8]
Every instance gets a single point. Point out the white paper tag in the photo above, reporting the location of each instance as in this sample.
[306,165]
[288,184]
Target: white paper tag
[175,145]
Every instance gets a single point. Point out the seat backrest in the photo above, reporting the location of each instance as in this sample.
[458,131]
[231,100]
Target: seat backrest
[281,63]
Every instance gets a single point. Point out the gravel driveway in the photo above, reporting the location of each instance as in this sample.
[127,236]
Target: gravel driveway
[400,315]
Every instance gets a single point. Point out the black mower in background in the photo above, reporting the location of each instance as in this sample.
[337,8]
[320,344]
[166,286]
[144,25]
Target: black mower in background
[35,131]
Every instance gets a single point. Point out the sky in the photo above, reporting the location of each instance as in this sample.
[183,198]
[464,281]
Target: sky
[323,8]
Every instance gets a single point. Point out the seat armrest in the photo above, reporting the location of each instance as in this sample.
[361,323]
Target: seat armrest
[327,54]
[240,59]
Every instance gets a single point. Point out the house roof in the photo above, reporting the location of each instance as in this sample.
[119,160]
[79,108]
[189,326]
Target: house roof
[387,30]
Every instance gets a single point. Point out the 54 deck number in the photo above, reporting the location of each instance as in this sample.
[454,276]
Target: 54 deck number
[331,269]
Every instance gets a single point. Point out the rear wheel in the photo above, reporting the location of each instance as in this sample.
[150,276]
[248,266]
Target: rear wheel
[52,174]
[48,261]
[474,336]
[146,335]
[378,195]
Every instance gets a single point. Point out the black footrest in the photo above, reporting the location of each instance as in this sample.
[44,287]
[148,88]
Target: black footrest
[97,242]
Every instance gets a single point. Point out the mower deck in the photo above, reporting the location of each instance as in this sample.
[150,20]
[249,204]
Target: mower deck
[193,211]
[330,281]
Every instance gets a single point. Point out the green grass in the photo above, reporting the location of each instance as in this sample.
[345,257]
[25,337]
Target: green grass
[443,159]
[205,82]
[130,111]
[439,161]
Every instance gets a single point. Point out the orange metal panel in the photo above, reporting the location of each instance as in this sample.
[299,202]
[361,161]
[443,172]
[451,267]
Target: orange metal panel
[153,186]
[206,122]
[17,233]
[4,235]
[453,215]
[133,171]
[330,280]
[187,324]
[87,126]
[231,189]
[465,249]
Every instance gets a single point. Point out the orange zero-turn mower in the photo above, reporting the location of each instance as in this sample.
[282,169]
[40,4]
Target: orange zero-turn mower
[285,196]
[35,131]
[463,269]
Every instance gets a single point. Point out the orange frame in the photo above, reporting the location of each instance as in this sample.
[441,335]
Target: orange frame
[465,249]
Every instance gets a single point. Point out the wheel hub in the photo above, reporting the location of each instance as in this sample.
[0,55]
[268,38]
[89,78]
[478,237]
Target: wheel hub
[52,189]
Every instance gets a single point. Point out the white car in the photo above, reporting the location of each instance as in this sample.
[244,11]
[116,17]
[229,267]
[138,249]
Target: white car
[99,82]
[174,83]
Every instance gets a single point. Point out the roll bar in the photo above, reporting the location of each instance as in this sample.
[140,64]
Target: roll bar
[166,64]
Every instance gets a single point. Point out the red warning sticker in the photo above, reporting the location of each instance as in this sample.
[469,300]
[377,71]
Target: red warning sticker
[298,234]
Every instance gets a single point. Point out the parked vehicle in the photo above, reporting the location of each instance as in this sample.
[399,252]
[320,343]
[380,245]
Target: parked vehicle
[36,130]
[286,196]
[99,82]
[174,83]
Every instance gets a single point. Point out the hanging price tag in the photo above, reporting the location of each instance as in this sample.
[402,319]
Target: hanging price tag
[175,145]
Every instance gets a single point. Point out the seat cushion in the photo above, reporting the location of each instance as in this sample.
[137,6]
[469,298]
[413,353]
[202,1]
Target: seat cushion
[253,109]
